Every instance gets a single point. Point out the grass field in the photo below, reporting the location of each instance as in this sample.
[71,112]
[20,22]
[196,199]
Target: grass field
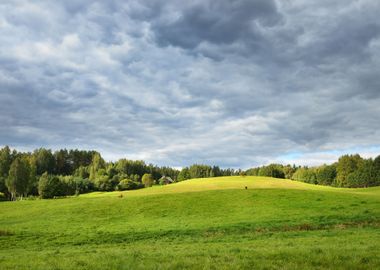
[210,223]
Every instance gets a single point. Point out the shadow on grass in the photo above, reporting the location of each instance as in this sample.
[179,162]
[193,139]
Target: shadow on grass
[5,233]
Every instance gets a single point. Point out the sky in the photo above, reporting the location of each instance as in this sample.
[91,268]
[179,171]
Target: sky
[235,83]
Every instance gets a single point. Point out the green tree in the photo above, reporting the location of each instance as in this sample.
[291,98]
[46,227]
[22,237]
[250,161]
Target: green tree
[18,178]
[49,186]
[199,171]
[347,164]
[364,176]
[96,164]
[5,161]
[45,161]
[3,187]
[63,162]
[33,180]
[272,170]
[147,180]
[127,184]
[376,165]
[6,158]
[326,174]
[82,172]
[289,171]
[184,174]
[305,174]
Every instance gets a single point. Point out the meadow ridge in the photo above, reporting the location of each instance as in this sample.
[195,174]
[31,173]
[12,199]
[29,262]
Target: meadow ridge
[234,182]
[210,223]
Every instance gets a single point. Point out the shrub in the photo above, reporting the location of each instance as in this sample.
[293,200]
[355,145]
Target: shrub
[83,185]
[127,184]
[49,186]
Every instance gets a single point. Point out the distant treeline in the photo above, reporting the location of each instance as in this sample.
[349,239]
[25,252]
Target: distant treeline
[64,172]
[348,171]
[49,174]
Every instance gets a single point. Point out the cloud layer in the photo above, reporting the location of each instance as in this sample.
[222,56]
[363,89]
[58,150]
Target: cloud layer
[234,83]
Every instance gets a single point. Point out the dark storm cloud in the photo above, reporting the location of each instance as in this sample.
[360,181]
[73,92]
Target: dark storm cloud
[221,22]
[235,83]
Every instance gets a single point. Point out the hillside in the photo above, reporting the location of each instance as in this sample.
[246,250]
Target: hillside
[235,182]
[212,223]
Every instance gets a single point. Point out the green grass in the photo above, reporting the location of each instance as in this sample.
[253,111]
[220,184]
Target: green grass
[197,224]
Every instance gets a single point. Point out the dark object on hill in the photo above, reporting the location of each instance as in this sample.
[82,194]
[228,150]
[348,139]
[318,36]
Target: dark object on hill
[246,187]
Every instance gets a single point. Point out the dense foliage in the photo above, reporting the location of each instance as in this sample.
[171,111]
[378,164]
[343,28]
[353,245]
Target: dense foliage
[68,172]
[64,172]
[349,171]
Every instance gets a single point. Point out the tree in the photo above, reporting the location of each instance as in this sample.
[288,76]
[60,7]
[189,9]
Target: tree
[45,161]
[346,165]
[33,180]
[127,184]
[3,187]
[96,164]
[253,171]
[147,180]
[82,172]
[184,174]
[289,171]
[5,161]
[272,170]
[63,164]
[364,176]
[376,165]
[326,174]
[18,178]
[49,186]
[199,171]
[305,174]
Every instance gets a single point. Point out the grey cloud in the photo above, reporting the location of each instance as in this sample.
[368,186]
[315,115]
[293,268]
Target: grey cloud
[234,83]
[220,22]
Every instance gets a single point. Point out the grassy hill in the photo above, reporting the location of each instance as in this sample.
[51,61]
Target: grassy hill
[212,223]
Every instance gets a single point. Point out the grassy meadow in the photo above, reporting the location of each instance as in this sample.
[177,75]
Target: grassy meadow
[213,223]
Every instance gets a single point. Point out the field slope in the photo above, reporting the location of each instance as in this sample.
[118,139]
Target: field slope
[213,223]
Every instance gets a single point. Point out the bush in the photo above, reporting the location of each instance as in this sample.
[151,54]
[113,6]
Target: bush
[102,183]
[68,185]
[83,185]
[49,186]
[127,184]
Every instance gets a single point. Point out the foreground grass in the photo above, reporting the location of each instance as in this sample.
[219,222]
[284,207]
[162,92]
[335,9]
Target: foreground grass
[197,224]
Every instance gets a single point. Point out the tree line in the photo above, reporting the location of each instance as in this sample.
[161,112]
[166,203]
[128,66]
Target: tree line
[49,174]
[351,171]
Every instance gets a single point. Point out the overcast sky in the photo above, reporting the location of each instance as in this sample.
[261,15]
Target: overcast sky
[235,83]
